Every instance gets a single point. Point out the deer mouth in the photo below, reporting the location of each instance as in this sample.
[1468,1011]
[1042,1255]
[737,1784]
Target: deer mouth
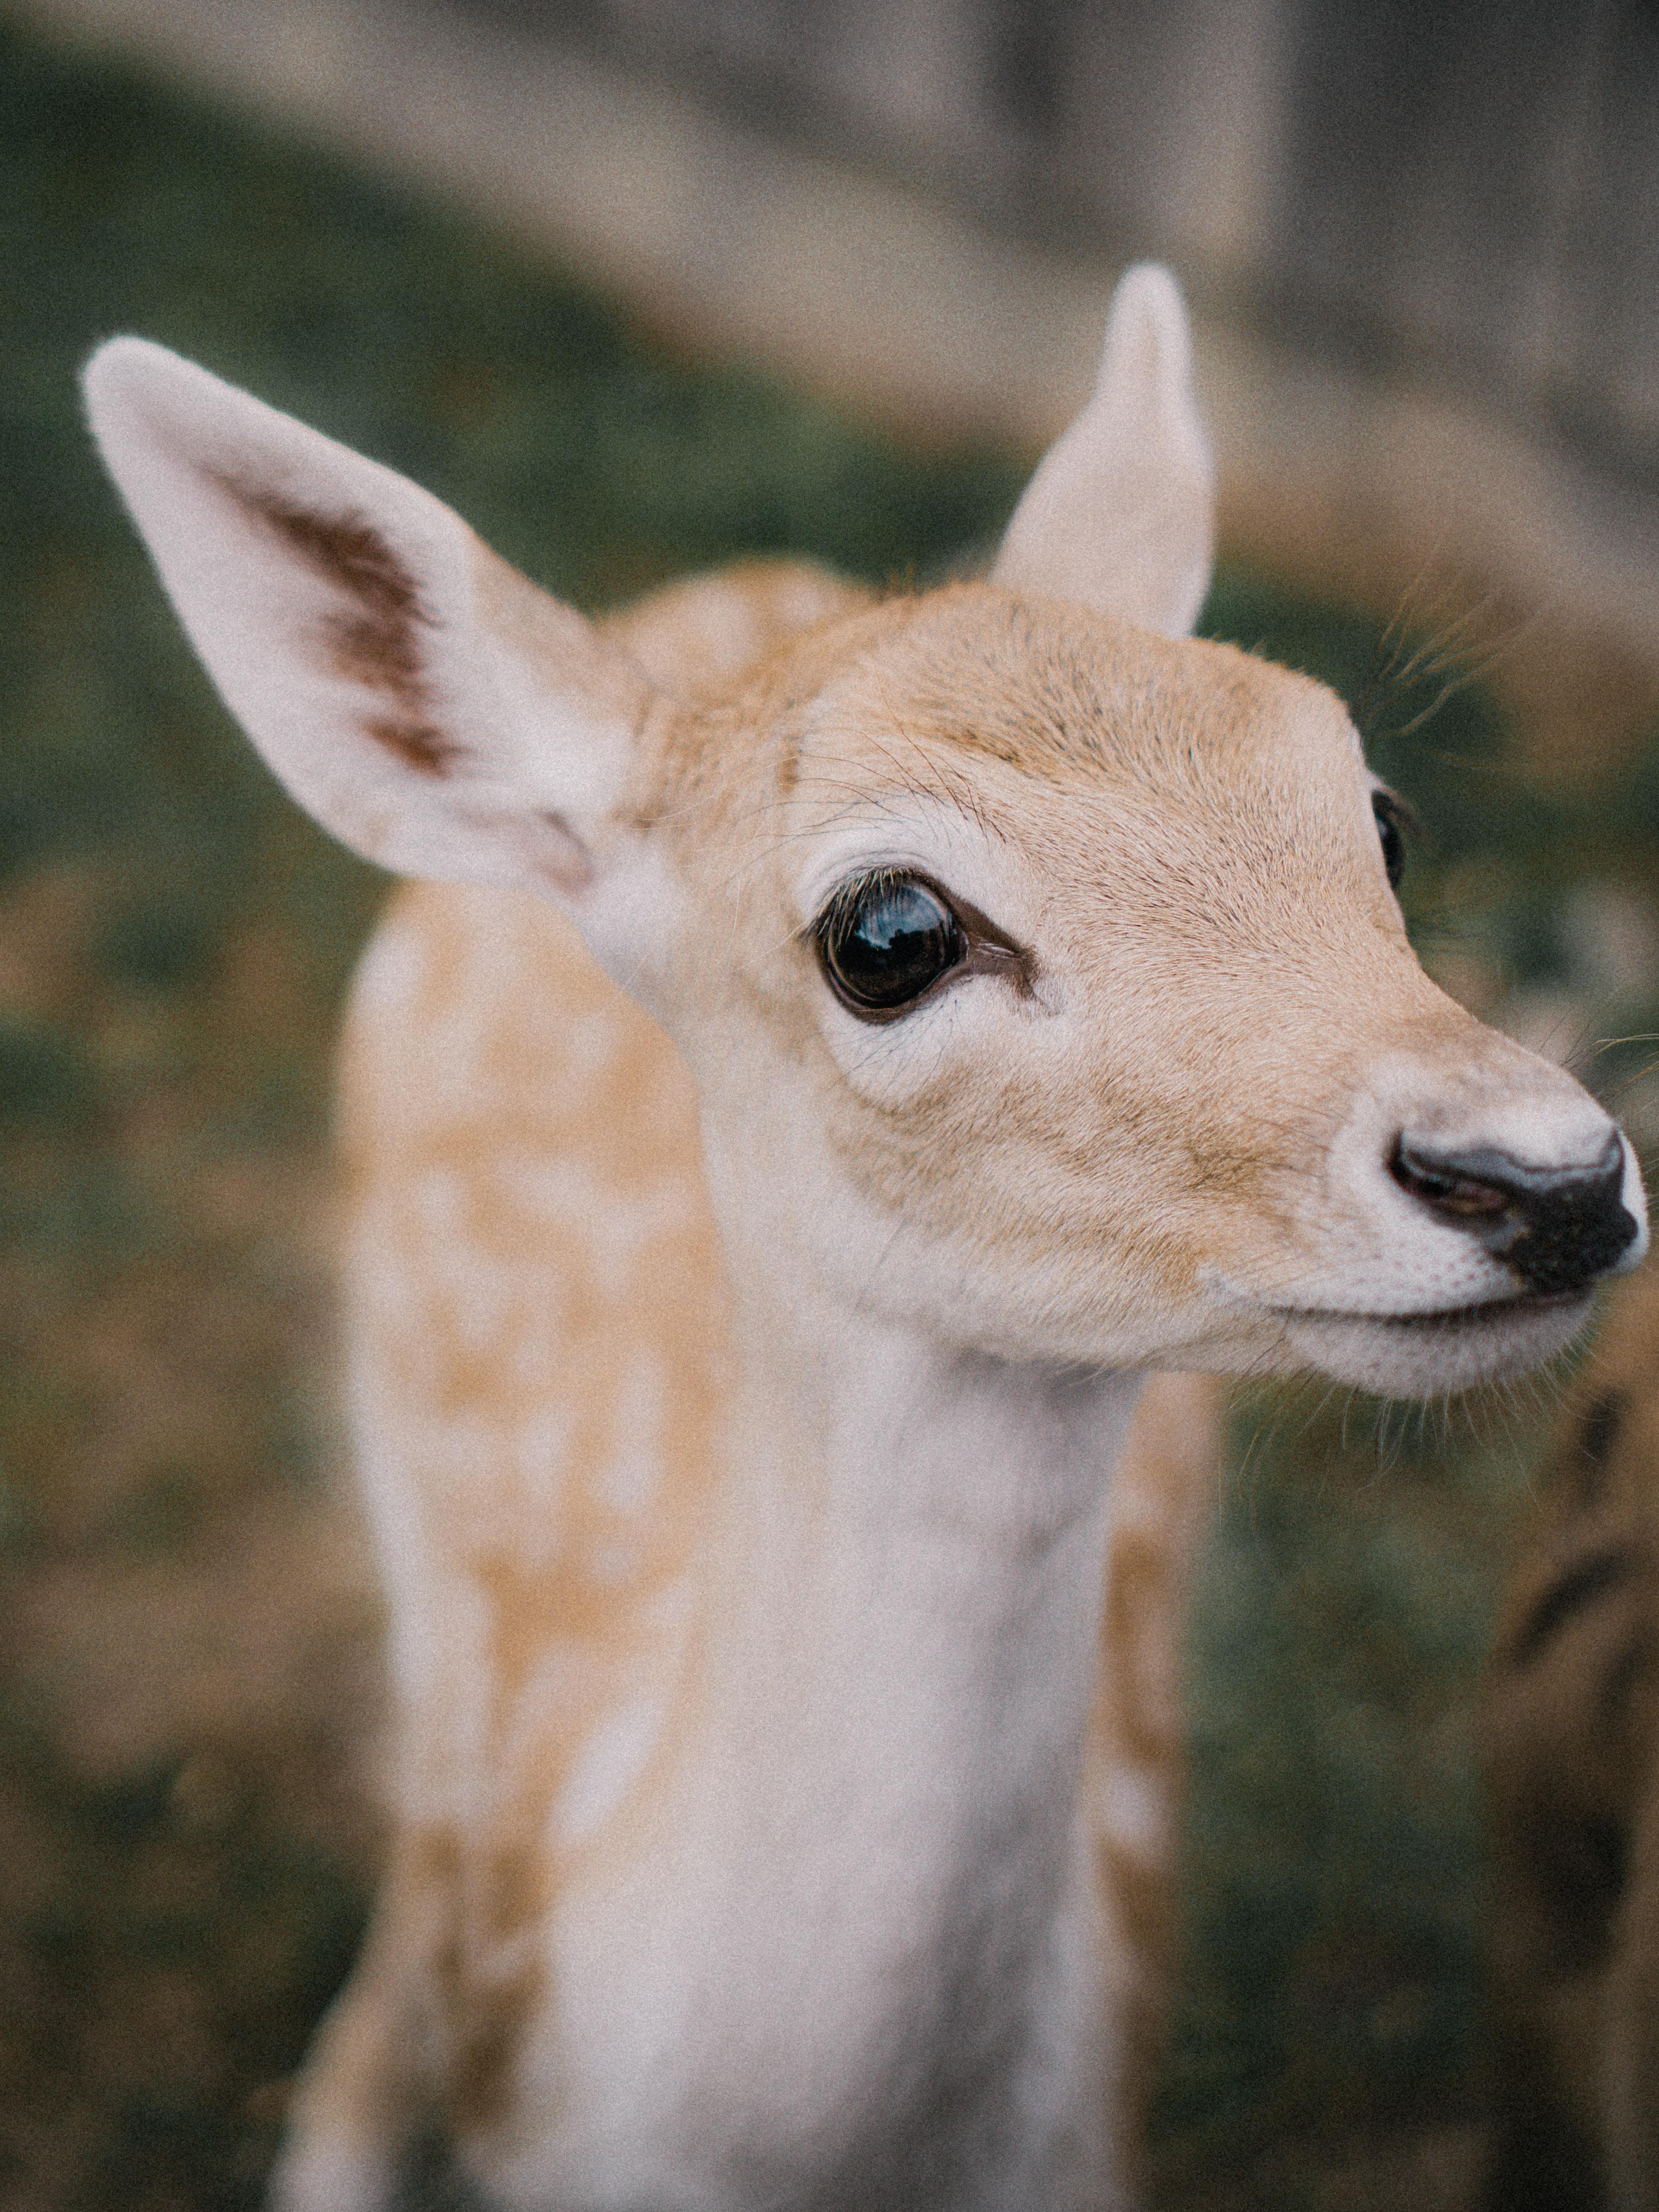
[1416,1355]
[1488,1313]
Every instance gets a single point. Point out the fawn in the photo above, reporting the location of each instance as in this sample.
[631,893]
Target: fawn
[1570,1740]
[935,1011]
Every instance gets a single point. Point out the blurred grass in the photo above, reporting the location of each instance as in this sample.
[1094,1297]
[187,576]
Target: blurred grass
[1326,2047]
[185,1634]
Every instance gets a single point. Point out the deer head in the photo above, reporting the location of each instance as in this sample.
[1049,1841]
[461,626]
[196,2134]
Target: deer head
[1039,964]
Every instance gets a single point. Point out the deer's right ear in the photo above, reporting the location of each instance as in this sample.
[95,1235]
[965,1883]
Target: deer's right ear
[425,703]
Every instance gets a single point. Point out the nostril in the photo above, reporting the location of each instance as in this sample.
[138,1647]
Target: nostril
[1447,1185]
[1556,1228]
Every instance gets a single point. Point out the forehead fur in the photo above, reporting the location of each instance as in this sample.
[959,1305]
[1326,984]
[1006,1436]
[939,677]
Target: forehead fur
[1012,708]
[1074,698]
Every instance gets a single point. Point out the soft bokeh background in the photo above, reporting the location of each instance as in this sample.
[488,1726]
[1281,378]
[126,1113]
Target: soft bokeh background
[188,1630]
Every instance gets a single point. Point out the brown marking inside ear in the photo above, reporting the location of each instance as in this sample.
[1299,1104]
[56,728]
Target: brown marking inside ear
[377,643]
[420,745]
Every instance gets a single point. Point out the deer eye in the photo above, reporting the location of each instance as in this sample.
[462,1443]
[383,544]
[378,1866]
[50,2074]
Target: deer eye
[1394,820]
[885,940]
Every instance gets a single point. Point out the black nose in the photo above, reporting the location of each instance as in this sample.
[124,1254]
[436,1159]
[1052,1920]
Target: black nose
[1557,1228]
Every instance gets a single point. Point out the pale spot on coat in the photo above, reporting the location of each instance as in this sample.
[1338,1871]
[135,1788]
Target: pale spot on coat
[606,1768]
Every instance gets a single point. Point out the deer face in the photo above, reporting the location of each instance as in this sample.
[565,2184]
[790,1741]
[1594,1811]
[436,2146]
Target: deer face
[1078,1020]
[1039,965]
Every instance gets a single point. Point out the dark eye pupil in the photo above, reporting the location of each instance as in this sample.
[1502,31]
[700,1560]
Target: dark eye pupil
[1393,842]
[887,943]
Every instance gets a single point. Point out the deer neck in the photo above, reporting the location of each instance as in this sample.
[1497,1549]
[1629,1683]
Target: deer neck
[909,1571]
[901,1644]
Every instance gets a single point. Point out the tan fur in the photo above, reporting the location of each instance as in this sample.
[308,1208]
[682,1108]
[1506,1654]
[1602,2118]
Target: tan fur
[511,1052]
[1570,1733]
[783,1816]
[507,1051]
[1212,756]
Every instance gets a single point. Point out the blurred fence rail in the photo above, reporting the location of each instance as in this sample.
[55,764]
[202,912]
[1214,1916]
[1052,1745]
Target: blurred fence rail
[1473,184]
[1423,241]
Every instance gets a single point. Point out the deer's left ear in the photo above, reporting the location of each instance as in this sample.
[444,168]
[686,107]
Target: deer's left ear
[425,703]
[1121,513]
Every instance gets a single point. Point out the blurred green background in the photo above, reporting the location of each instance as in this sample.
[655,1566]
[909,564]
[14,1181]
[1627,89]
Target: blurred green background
[187,1633]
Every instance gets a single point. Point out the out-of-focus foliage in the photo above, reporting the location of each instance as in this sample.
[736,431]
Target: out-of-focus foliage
[185,1634]
[1329,2017]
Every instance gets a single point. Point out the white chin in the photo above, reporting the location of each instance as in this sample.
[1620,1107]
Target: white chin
[1423,1355]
